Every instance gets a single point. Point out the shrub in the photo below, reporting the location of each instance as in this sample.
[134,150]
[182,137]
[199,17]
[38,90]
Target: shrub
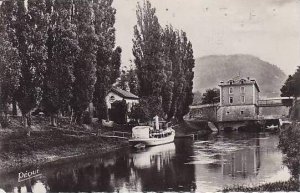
[87,118]
[4,122]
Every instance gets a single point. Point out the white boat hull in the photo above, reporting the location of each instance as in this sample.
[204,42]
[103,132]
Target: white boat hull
[153,141]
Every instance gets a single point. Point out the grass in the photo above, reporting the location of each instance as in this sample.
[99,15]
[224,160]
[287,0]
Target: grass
[269,187]
[48,144]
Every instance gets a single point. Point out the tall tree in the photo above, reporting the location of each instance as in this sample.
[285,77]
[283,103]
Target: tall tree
[169,44]
[128,80]
[291,88]
[148,53]
[85,65]
[62,54]
[182,59]
[132,81]
[188,62]
[9,59]
[177,73]
[108,57]
[31,32]
[122,81]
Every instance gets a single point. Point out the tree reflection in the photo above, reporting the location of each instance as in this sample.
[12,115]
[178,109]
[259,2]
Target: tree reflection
[289,143]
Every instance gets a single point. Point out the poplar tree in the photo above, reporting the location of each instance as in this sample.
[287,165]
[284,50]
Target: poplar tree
[148,53]
[177,73]
[108,57]
[85,65]
[188,63]
[132,81]
[31,32]
[169,41]
[62,54]
[9,59]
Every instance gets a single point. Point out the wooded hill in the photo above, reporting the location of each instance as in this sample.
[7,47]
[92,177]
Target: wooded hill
[210,70]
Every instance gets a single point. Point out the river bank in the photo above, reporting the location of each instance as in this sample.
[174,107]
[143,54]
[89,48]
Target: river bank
[47,144]
[19,150]
[287,186]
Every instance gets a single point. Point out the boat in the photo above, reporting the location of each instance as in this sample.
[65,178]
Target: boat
[156,134]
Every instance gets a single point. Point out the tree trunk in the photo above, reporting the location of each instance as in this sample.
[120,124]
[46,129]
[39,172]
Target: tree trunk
[78,118]
[14,108]
[72,116]
[25,120]
[293,109]
[53,120]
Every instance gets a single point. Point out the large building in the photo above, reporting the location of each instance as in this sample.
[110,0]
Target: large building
[238,100]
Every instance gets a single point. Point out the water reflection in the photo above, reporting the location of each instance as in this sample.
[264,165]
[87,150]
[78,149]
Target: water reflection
[204,165]
[238,158]
[158,156]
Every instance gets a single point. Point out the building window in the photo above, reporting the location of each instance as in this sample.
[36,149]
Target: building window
[230,100]
[242,112]
[243,99]
[242,89]
[230,90]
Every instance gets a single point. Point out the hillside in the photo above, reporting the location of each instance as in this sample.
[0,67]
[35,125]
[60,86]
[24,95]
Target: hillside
[210,70]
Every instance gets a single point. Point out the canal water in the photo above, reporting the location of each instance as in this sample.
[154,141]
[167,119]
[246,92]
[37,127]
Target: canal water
[207,164]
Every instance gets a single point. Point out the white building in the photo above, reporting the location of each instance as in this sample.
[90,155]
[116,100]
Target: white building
[116,94]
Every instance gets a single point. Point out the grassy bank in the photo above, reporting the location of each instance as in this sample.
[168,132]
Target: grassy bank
[46,144]
[269,187]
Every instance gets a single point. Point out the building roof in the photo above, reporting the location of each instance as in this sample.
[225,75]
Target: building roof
[240,81]
[123,93]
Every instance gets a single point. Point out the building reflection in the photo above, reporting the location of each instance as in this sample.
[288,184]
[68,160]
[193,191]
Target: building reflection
[242,163]
[254,161]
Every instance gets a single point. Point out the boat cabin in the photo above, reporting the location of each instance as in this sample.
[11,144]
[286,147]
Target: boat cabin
[156,130]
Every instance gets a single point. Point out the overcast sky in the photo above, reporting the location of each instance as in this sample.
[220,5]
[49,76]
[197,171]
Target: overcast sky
[269,29]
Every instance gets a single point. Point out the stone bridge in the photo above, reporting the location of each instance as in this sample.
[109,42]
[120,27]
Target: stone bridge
[269,110]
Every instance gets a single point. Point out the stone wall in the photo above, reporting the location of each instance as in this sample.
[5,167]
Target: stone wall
[206,113]
[237,113]
[276,111]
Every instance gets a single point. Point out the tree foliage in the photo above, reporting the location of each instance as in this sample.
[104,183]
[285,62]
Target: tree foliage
[164,64]
[63,49]
[289,144]
[108,57]
[54,53]
[85,64]
[291,88]
[31,33]
[211,96]
[128,80]
[9,58]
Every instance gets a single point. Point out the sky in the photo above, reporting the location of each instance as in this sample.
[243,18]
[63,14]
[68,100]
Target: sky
[268,29]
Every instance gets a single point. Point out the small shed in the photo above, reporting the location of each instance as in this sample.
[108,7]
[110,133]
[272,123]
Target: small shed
[116,94]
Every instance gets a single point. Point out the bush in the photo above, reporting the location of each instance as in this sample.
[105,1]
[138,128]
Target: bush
[87,118]
[4,122]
